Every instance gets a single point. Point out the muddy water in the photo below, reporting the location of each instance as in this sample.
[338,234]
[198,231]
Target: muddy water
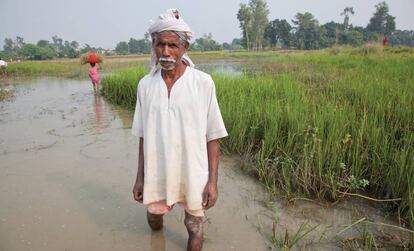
[68,163]
[67,166]
[225,67]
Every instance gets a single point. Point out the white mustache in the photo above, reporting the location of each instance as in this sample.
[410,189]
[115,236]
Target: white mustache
[167,60]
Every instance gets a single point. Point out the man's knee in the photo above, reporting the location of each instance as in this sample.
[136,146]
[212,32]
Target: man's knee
[194,224]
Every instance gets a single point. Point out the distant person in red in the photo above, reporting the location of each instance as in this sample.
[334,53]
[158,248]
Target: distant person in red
[385,41]
[94,76]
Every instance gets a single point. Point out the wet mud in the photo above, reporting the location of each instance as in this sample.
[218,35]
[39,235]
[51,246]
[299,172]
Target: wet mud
[68,163]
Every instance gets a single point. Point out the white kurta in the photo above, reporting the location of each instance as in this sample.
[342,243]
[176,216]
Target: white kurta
[176,131]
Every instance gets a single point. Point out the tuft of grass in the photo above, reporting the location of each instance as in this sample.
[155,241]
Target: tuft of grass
[121,87]
[5,94]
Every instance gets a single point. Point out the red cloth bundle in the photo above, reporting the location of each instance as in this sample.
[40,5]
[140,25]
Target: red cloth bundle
[93,58]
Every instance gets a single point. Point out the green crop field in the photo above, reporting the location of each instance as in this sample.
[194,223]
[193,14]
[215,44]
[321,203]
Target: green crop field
[322,124]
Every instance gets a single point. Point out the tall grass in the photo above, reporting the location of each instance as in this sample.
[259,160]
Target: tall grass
[46,68]
[68,68]
[121,87]
[321,126]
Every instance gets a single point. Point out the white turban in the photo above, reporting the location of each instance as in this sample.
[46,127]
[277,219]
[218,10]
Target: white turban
[171,20]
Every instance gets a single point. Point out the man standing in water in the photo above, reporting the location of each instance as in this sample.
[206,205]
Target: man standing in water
[178,122]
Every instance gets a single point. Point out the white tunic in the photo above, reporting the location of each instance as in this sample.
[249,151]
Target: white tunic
[176,131]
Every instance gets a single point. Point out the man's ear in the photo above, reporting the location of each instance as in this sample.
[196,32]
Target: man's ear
[186,46]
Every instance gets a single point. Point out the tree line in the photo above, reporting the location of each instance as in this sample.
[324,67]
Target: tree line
[257,33]
[44,49]
[306,32]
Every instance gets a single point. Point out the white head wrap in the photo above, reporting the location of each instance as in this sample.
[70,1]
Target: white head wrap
[171,20]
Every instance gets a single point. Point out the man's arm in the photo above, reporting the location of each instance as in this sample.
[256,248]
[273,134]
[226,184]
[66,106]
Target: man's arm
[210,192]
[138,190]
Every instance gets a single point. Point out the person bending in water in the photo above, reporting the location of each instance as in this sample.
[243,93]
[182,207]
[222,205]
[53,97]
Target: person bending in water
[94,76]
[178,122]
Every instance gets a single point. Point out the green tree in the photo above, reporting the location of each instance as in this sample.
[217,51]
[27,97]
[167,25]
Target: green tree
[8,45]
[206,43]
[86,48]
[402,37]
[70,49]
[19,42]
[381,22]
[333,33]
[43,43]
[226,46]
[260,12]
[253,21]
[122,48]
[245,17]
[279,31]
[308,33]
[237,44]
[345,13]
[133,45]
[354,37]
[75,45]
[34,52]
[58,45]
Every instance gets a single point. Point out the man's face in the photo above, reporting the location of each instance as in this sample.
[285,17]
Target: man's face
[169,50]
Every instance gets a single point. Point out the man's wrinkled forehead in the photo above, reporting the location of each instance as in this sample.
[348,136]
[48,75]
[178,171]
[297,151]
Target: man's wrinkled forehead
[179,35]
[155,35]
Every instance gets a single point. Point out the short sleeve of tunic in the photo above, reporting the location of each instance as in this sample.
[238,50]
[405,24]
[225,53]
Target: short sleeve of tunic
[215,125]
[138,116]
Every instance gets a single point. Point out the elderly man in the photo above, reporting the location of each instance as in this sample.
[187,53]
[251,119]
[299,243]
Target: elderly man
[178,122]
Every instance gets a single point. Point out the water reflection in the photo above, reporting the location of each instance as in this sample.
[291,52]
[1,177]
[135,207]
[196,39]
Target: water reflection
[100,121]
[229,68]
[157,241]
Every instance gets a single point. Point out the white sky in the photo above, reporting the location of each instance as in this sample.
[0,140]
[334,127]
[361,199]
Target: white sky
[106,22]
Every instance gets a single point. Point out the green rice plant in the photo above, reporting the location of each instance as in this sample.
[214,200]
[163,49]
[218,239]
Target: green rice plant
[290,240]
[5,94]
[121,87]
[321,125]
[45,68]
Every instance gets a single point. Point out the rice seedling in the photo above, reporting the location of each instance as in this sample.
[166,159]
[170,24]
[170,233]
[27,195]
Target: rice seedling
[121,87]
[5,94]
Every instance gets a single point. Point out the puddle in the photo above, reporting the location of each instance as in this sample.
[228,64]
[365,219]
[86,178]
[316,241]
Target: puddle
[68,163]
[229,68]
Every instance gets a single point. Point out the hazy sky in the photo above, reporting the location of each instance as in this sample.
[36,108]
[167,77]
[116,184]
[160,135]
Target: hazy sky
[105,22]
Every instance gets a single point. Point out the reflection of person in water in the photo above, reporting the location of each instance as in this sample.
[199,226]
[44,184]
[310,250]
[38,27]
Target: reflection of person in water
[99,116]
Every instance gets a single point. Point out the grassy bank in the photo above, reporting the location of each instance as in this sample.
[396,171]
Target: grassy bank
[321,124]
[70,68]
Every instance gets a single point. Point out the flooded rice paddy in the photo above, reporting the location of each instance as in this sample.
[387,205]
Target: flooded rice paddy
[68,163]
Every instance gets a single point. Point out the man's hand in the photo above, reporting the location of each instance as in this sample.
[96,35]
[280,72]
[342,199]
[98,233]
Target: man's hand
[138,191]
[210,195]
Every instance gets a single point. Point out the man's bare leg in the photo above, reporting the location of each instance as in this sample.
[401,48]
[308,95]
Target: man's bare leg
[194,225]
[155,221]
